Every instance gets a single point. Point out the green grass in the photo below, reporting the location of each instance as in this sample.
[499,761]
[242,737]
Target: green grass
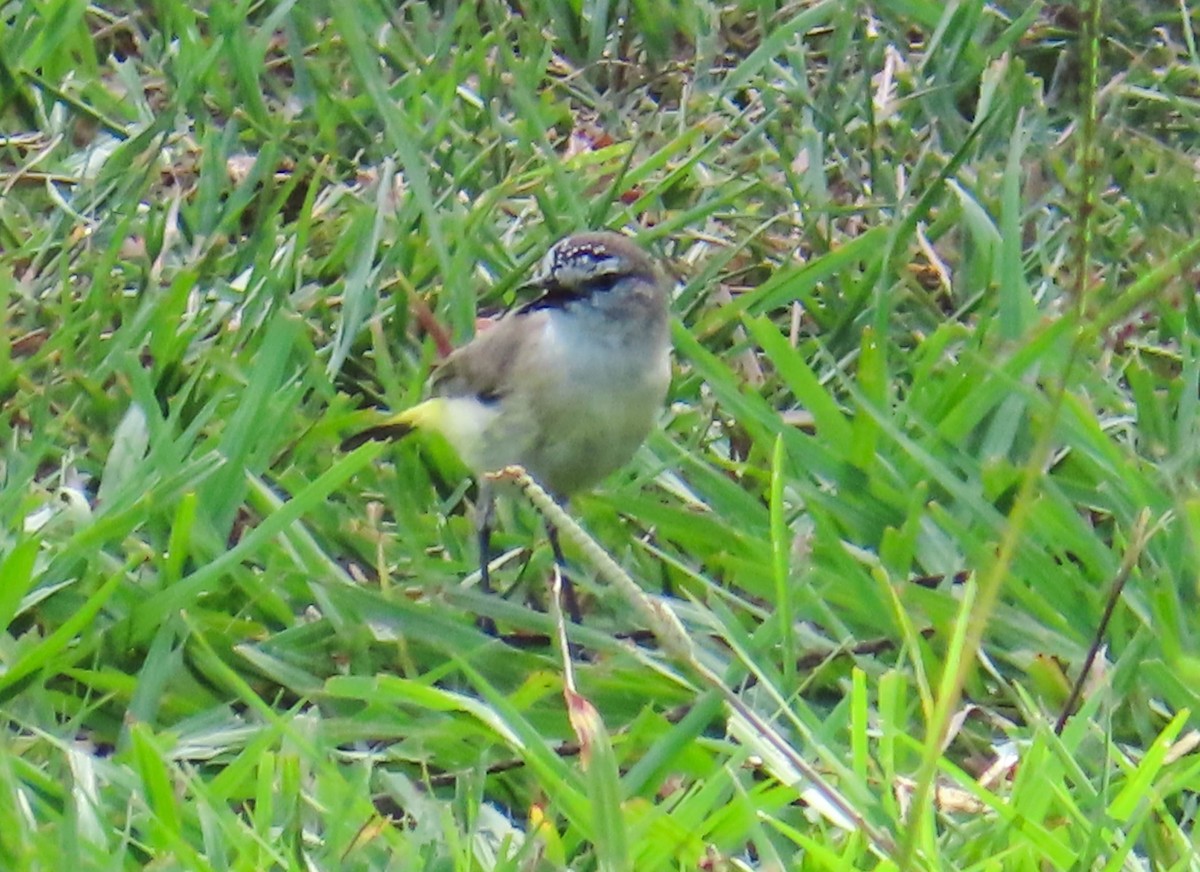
[936,398]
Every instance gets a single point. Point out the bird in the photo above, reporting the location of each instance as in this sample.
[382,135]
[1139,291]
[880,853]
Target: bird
[567,385]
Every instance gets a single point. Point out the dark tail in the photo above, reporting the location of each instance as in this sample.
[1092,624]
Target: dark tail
[382,433]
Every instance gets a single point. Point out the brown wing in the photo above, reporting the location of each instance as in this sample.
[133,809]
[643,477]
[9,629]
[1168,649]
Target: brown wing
[483,367]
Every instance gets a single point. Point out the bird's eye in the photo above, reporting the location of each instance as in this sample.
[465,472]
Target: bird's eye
[599,284]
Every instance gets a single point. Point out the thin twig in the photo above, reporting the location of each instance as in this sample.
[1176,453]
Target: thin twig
[1141,535]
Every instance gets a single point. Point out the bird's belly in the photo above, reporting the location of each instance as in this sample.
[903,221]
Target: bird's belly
[593,421]
[586,401]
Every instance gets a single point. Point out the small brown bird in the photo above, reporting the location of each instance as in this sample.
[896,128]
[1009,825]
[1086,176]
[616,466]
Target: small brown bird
[567,385]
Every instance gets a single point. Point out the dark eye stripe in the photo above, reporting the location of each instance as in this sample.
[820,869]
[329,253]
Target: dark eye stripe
[557,295]
[599,284]
[554,296]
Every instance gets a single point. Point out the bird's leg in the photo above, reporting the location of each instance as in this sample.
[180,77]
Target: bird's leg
[485,512]
[568,589]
